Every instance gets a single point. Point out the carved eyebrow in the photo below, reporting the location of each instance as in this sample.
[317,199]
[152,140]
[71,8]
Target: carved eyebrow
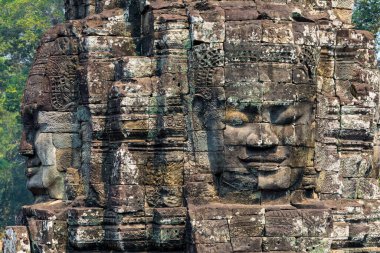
[232,114]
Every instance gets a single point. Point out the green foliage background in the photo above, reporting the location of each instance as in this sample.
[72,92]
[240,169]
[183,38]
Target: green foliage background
[366,16]
[22,23]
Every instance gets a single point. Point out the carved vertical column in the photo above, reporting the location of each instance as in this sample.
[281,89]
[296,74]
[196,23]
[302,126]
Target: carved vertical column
[166,24]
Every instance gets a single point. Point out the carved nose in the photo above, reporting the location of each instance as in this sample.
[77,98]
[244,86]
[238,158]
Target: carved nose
[264,138]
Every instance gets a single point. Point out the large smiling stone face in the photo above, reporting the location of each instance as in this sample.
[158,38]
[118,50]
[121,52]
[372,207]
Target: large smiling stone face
[255,97]
[259,122]
[268,148]
[282,101]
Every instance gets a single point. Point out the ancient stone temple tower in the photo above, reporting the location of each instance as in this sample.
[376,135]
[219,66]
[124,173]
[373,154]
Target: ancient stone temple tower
[202,126]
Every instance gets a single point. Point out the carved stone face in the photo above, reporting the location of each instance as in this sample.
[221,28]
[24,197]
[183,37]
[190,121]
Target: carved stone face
[266,140]
[52,145]
[193,110]
[50,139]
[42,170]
[260,122]
[263,146]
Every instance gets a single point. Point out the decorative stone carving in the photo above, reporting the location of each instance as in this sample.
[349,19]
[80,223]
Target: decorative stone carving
[206,126]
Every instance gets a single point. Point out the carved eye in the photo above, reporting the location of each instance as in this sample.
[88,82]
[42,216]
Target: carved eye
[235,118]
[284,115]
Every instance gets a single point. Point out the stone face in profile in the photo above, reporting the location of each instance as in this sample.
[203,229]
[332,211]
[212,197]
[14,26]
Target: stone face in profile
[226,126]
[50,139]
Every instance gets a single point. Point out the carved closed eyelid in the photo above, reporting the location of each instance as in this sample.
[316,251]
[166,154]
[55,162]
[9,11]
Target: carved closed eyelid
[252,110]
[284,115]
[234,122]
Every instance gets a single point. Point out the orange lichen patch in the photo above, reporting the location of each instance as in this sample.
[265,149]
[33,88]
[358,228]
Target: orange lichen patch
[235,116]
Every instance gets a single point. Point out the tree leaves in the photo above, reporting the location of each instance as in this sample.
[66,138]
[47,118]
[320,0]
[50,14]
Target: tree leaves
[366,15]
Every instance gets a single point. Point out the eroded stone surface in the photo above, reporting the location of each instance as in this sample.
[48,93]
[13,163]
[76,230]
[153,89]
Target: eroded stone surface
[203,126]
[16,240]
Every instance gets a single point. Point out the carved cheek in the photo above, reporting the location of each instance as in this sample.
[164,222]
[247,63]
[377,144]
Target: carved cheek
[285,134]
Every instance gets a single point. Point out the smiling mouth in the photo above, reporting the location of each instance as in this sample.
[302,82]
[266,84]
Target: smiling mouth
[262,159]
[263,166]
[263,163]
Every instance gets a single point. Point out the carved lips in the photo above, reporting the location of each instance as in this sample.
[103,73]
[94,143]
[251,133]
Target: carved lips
[262,160]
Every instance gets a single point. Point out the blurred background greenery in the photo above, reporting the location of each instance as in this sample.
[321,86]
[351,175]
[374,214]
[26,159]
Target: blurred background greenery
[366,16]
[22,23]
